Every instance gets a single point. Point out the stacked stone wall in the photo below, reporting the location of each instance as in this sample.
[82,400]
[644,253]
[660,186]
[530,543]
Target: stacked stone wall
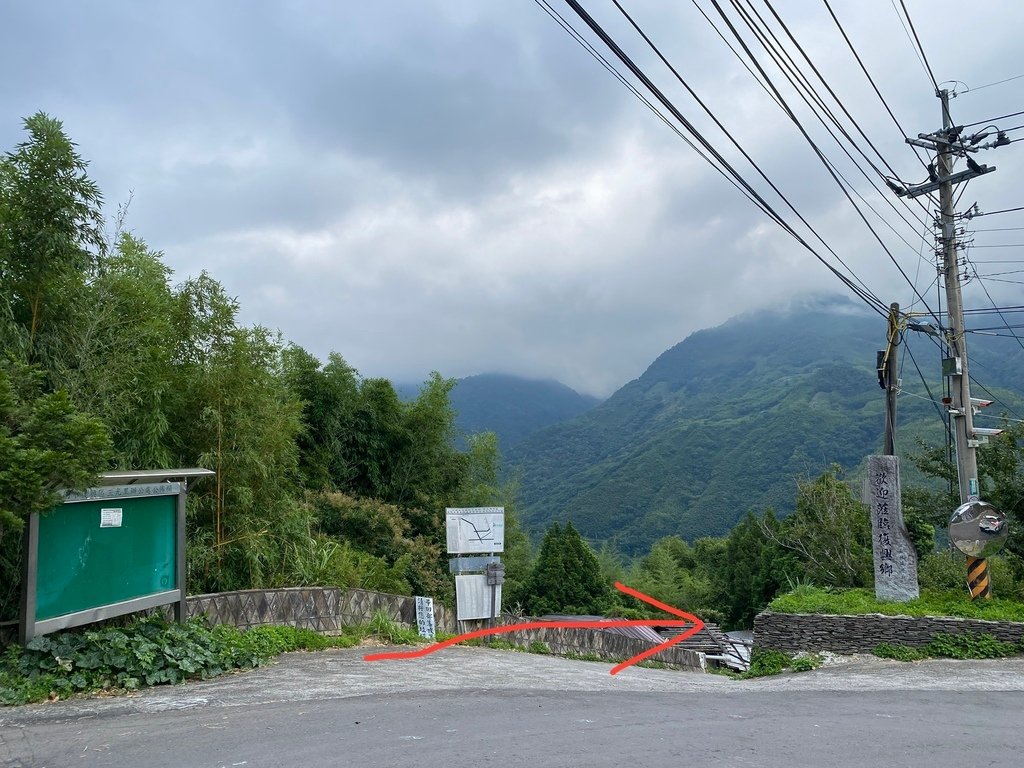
[791,632]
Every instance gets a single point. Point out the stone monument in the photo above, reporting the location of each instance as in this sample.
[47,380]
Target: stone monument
[895,557]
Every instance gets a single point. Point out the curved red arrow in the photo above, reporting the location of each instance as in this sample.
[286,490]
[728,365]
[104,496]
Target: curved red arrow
[687,618]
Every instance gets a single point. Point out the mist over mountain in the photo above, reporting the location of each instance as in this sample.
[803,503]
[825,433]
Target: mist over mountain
[726,420]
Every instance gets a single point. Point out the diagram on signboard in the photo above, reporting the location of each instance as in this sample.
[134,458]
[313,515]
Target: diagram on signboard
[475,529]
[476,532]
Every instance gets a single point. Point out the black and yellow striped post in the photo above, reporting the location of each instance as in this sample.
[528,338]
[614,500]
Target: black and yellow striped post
[978,580]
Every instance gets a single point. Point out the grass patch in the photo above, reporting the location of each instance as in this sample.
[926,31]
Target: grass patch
[151,651]
[390,631]
[862,601]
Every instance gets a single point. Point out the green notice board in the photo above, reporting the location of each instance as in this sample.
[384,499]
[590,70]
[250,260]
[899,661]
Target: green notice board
[105,551]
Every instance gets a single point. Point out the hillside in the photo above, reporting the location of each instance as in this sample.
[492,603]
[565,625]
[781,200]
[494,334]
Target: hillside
[723,422]
[510,406]
[514,407]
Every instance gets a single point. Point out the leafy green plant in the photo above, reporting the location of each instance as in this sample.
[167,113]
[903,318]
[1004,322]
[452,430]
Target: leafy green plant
[970,646]
[152,651]
[948,646]
[766,662]
[898,652]
[539,646]
[805,663]
[501,644]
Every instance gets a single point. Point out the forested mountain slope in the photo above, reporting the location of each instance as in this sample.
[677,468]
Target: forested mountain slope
[726,420]
[512,407]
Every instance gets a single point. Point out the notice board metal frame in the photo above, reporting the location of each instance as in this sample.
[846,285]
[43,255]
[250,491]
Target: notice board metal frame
[117,487]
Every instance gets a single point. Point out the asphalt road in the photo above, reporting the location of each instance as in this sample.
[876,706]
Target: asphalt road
[468,706]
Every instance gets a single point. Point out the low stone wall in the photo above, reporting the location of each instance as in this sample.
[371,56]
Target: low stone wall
[324,609]
[314,608]
[608,646]
[359,605]
[792,632]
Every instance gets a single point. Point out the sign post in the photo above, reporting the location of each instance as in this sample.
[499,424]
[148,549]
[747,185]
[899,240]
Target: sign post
[476,531]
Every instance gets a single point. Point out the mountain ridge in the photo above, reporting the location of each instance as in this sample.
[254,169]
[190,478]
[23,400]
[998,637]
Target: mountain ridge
[723,422]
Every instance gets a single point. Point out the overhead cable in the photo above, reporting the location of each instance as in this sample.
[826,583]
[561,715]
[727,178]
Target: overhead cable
[860,290]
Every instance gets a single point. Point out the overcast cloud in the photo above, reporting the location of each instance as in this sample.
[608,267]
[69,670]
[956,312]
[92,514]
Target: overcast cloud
[456,185]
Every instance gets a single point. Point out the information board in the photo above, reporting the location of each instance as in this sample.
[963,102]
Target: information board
[475,530]
[106,551]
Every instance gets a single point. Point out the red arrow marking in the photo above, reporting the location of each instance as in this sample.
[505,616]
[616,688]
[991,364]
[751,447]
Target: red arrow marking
[687,618]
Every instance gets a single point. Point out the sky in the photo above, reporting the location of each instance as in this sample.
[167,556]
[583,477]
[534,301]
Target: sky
[459,186]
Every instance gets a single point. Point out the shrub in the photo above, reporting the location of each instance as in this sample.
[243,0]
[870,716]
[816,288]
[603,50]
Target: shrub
[766,662]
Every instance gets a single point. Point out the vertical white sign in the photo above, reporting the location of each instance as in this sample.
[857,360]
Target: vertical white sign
[425,617]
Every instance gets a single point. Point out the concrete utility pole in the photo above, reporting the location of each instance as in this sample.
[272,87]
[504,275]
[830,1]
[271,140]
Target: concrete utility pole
[978,580]
[945,143]
[960,380]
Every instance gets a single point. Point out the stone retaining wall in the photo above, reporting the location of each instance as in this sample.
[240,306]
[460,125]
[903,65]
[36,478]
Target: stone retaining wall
[324,609]
[328,610]
[608,646]
[792,632]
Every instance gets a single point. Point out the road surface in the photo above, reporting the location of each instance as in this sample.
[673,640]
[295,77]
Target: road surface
[475,706]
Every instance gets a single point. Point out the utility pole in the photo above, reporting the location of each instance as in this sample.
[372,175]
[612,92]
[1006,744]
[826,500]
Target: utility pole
[890,379]
[960,380]
[941,177]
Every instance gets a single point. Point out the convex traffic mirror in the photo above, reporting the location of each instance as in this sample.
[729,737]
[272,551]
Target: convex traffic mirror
[978,529]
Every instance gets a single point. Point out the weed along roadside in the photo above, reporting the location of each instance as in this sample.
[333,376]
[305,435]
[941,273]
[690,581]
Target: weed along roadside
[152,651]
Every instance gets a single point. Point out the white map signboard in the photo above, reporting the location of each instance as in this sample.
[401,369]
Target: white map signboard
[475,530]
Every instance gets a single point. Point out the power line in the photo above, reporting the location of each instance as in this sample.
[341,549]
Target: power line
[992,119]
[860,290]
[928,389]
[871,80]
[993,396]
[997,82]
[909,38]
[1005,323]
[803,83]
[924,56]
[993,213]
[796,121]
[562,22]
[985,311]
